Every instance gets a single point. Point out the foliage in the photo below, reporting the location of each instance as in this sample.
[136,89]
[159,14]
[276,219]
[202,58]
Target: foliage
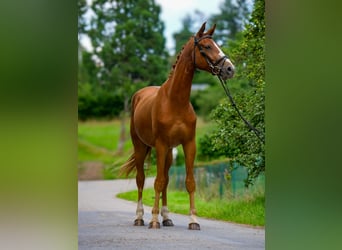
[232,137]
[231,19]
[184,34]
[128,47]
[206,100]
[251,50]
[95,102]
[82,9]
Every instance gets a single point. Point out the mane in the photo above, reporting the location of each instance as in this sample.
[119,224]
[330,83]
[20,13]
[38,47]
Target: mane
[174,65]
[178,56]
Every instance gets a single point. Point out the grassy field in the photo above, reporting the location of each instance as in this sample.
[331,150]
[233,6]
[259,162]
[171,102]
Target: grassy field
[248,209]
[98,143]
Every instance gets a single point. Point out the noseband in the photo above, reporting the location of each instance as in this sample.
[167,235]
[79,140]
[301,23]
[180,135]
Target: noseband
[215,67]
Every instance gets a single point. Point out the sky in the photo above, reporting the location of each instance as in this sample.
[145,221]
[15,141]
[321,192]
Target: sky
[173,11]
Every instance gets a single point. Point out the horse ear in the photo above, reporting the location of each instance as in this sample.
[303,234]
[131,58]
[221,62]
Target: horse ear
[211,30]
[201,30]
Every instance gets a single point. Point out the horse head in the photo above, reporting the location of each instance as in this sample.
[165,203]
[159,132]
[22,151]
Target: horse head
[209,57]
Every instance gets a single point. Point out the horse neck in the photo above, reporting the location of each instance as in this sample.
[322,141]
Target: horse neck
[179,84]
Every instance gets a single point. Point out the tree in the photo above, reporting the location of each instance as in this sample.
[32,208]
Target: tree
[232,137]
[128,42]
[190,24]
[82,9]
[231,19]
[128,47]
[183,35]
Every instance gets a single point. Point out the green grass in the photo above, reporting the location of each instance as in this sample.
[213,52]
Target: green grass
[249,209]
[102,134]
[98,142]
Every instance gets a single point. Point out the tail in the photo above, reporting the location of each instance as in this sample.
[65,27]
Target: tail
[131,165]
[128,167]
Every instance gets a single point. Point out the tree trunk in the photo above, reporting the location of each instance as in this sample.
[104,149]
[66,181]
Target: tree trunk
[123,137]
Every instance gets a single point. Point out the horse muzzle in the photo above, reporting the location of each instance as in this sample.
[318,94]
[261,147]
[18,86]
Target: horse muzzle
[227,71]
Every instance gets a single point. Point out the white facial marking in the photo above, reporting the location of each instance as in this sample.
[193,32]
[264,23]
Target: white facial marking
[220,51]
[222,54]
[229,62]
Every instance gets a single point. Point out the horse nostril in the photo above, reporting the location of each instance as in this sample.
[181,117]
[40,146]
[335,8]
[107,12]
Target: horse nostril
[230,69]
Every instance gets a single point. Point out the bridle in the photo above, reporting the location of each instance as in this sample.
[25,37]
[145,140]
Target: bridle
[215,67]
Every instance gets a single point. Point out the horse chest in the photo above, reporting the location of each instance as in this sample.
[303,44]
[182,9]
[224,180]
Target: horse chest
[176,131]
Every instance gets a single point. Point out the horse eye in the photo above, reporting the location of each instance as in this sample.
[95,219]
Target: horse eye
[207,46]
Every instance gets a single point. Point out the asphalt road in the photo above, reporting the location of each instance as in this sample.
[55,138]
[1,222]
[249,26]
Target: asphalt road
[106,222]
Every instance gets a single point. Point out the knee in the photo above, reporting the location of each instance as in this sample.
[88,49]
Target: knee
[159,184]
[140,180]
[190,185]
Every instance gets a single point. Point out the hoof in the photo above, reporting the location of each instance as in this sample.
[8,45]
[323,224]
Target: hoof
[194,226]
[154,225]
[167,223]
[139,222]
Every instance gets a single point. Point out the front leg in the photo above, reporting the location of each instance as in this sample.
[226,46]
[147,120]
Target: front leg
[190,152]
[164,211]
[159,183]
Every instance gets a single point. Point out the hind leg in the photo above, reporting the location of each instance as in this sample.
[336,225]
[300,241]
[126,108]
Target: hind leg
[140,153]
[164,211]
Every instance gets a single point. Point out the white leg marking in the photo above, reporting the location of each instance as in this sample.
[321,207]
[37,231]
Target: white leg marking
[155,217]
[165,213]
[140,210]
[193,219]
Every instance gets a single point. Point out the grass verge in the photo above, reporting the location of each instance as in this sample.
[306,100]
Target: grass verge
[244,210]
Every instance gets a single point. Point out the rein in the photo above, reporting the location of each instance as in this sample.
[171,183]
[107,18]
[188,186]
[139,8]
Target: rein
[216,70]
[257,132]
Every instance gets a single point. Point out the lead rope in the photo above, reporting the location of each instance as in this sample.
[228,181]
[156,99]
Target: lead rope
[257,132]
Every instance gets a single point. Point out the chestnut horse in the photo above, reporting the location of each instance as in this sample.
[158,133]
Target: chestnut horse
[163,117]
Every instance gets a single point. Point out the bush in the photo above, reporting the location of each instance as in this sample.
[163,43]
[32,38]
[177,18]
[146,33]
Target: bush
[204,101]
[97,102]
[233,139]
